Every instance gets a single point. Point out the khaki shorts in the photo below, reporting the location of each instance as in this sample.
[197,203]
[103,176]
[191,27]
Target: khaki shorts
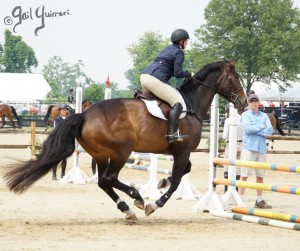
[253,156]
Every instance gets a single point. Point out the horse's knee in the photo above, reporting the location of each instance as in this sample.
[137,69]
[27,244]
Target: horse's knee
[106,182]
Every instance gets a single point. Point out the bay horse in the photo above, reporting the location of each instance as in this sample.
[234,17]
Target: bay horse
[53,112]
[9,112]
[275,123]
[111,129]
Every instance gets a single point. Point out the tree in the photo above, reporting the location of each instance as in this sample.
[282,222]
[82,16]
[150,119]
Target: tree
[263,34]
[143,53]
[95,92]
[62,76]
[17,56]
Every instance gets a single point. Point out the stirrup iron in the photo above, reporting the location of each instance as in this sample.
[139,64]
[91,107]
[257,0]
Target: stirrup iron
[176,136]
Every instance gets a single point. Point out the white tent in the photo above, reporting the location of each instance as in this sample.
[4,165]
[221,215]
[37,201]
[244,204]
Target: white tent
[23,87]
[290,95]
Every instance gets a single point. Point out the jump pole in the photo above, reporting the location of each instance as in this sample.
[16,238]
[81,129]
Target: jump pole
[266,214]
[258,220]
[210,201]
[258,165]
[76,175]
[147,168]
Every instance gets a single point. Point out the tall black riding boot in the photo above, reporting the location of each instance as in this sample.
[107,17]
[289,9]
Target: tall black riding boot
[63,167]
[173,135]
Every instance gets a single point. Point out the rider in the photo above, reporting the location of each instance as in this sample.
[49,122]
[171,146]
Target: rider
[63,109]
[155,79]
[71,98]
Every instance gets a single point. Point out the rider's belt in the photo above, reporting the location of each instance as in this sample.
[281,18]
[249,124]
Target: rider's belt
[238,141]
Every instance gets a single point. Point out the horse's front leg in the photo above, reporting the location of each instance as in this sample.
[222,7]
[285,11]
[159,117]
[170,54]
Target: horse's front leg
[180,165]
[166,182]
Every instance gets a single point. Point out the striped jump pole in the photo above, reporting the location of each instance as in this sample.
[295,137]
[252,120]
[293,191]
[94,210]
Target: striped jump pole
[142,156]
[258,220]
[258,186]
[147,168]
[266,214]
[258,165]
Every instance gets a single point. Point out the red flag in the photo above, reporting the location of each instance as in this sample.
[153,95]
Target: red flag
[107,82]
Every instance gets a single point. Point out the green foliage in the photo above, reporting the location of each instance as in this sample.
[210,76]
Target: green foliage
[221,143]
[62,76]
[94,92]
[17,56]
[143,53]
[263,35]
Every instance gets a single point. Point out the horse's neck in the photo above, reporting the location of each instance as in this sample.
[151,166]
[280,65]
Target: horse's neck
[202,98]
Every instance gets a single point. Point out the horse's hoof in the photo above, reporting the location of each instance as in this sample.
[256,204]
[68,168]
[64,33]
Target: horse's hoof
[149,209]
[131,217]
[140,204]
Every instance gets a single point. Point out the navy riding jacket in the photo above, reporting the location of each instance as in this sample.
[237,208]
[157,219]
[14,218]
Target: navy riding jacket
[58,120]
[168,63]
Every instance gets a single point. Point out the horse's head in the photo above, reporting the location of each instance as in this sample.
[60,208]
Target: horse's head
[86,103]
[219,77]
[229,85]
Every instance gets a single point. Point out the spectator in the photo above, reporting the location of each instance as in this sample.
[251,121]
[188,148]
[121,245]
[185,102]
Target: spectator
[63,109]
[71,98]
[256,126]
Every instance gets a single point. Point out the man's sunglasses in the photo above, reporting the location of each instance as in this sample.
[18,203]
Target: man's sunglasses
[253,101]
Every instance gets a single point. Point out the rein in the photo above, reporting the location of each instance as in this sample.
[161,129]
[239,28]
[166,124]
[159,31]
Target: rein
[233,96]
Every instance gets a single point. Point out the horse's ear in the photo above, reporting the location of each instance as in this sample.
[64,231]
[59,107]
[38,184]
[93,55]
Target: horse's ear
[232,62]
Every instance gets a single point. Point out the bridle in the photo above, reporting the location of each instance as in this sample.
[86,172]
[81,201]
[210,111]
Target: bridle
[233,95]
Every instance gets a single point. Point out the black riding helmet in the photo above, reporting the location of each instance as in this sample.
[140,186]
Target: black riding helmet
[251,92]
[179,34]
[62,106]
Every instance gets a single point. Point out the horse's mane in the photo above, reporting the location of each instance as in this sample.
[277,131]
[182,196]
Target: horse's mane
[201,75]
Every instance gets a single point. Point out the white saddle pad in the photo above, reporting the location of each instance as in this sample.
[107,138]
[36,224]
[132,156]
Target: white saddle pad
[155,110]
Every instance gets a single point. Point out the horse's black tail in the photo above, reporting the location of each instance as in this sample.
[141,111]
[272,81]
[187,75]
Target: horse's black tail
[59,145]
[16,116]
[278,127]
[48,114]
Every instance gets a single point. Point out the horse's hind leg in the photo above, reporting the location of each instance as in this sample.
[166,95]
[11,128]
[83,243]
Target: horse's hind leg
[13,124]
[180,161]
[106,179]
[3,122]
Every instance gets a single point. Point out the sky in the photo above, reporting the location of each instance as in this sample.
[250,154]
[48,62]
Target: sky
[98,32]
